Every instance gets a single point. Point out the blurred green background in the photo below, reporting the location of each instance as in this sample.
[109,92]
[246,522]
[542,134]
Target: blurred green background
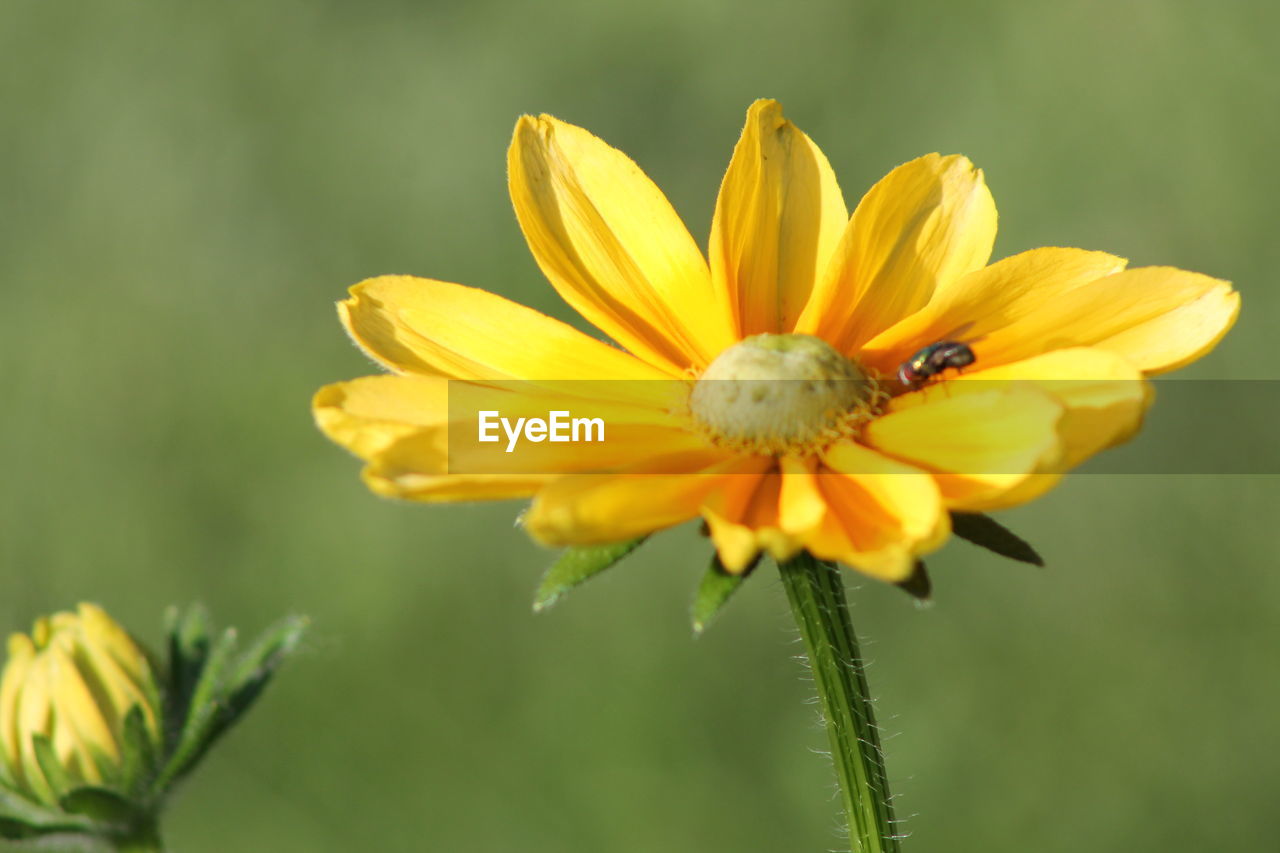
[188,187]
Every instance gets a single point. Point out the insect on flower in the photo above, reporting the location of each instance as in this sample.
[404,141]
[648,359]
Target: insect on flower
[933,360]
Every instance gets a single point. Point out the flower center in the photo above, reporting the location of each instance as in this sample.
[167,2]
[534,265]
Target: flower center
[782,394]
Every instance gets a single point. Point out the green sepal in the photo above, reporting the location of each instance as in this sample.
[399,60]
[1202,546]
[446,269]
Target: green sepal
[109,768]
[918,585]
[104,807]
[201,708]
[22,818]
[50,766]
[576,565]
[7,781]
[138,759]
[217,689]
[717,586]
[252,672]
[986,532]
[74,841]
[188,633]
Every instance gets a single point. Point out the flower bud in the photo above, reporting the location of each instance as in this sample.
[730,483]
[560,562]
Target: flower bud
[73,681]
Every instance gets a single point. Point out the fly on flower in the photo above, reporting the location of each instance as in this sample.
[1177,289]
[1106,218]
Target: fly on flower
[933,360]
[819,307]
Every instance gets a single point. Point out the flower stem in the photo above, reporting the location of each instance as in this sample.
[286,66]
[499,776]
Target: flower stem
[816,593]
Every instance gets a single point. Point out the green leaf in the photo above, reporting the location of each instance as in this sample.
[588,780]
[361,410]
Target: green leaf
[714,591]
[918,586]
[576,565]
[986,532]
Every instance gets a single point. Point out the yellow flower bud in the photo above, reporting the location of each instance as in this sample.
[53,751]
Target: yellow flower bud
[74,680]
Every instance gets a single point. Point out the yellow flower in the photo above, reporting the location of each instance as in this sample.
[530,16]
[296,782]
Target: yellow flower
[73,680]
[796,289]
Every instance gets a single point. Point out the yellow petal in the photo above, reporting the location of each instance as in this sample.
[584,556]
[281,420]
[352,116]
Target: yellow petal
[881,515]
[1104,397]
[418,325]
[1158,318]
[986,301]
[104,634]
[1104,400]
[979,445]
[116,666]
[728,513]
[615,447]
[388,477]
[1159,338]
[597,508]
[746,519]
[367,415]
[370,414]
[16,670]
[801,506]
[907,493]
[420,435]
[33,716]
[921,227]
[80,725]
[611,244]
[777,221]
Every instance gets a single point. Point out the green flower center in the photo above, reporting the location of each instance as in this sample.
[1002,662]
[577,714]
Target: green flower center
[782,394]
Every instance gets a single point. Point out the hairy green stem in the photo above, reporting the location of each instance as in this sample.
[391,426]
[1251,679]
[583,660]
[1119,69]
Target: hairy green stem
[816,593]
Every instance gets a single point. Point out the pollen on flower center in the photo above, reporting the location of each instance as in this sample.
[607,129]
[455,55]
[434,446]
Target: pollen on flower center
[782,394]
